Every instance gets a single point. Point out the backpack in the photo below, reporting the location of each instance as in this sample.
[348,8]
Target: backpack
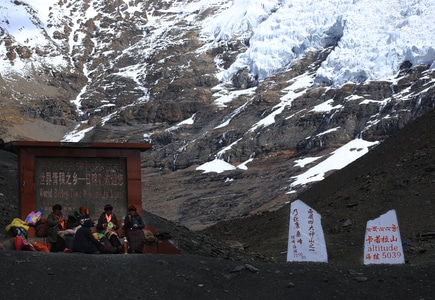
[106,246]
[72,222]
[149,237]
[40,247]
[18,231]
[42,228]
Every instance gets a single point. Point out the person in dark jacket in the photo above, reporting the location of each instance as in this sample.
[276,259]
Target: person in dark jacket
[84,241]
[134,225]
[56,223]
[108,225]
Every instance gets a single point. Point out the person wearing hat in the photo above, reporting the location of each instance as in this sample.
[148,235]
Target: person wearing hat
[108,224]
[133,225]
[84,241]
[56,225]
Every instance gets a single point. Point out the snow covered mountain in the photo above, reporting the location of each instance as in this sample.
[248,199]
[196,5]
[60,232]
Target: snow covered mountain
[269,95]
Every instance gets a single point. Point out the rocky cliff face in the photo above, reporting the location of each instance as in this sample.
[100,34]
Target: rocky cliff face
[95,93]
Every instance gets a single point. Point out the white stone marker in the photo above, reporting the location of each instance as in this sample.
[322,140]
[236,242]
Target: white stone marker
[306,241]
[382,243]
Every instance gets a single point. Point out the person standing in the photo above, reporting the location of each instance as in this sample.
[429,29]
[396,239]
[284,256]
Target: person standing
[134,225]
[56,224]
[108,224]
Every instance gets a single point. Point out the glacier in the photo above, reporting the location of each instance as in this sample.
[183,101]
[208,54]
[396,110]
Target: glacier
[370,39]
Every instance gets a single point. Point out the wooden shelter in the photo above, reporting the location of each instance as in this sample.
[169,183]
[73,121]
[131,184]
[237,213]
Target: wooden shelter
[76,175]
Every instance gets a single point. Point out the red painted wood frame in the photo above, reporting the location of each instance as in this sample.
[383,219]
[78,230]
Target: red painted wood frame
[28,151]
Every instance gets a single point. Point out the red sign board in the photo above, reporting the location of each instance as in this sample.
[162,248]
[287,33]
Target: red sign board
[77,174]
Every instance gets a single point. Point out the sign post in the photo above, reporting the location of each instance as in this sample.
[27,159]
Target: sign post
[80,181]
[306,239]
[78,175]
[382,243]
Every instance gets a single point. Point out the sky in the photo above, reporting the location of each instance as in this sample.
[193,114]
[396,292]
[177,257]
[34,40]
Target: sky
[372,39]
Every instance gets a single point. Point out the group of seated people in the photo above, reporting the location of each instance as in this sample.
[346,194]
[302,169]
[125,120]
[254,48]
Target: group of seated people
[104,239]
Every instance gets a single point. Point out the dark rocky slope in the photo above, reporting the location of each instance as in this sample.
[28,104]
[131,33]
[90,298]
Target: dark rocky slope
[398,174]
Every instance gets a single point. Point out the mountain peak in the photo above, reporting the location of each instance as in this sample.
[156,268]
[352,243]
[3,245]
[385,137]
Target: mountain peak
[250,83]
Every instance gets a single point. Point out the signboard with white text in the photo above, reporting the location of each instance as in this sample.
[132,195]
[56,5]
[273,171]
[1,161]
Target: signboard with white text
[80,181]
[382,243]
[306,240]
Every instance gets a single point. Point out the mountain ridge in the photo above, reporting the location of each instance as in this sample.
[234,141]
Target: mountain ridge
[152,71]
[397,174]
